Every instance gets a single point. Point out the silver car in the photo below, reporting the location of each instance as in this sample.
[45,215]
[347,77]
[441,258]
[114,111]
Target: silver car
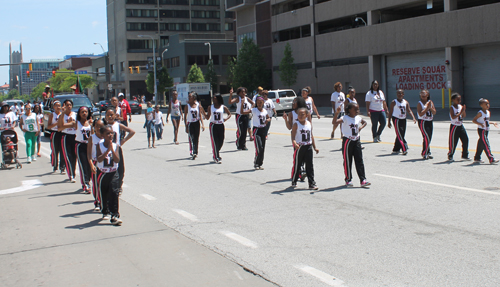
[282,99]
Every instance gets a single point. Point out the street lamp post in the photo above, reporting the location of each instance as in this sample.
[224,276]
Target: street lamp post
[154,62]
[162,56]
[209,60]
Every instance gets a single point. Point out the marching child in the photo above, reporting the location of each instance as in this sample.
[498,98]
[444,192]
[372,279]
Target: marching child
[352,124]
[158,120]
[303,145]
[457,130]
[426,111]
[215,114]
[93,141]
[193,112]
[482,120]
[398,110]
[260,119]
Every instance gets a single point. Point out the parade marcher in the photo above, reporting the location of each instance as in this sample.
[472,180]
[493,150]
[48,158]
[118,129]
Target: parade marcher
[270,108]
[108,160]
[482,120]
[260,120]
[457,129]
[292,117]
[175,112]
[149,124]
[118,110]
[337,100]
[158,121]
[351,95]
[243,104]
[426,111]
[29,125]
[39,116]
[303,145]
[94,140]
[83,127]
[7,118]
[56,156]
[126,112]
[399,110]
[193,112]
[376,108]
[217,129]
[309,101]
[352,124]
[65,125]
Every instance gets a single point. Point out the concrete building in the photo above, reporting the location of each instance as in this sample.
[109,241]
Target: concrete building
[405,44]
[159,19]
[4,89]
[100,68]
[42,71]
[78,62]
[15,57]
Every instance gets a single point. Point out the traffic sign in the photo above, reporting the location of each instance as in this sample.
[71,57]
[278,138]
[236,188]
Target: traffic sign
[81,72]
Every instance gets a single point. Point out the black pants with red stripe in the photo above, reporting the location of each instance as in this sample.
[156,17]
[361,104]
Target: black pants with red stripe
[217,133]
[56,156]
[109,188]
[83,163]
[426,128]
[259,138]
[194,137]
[241,132]
[350,149]
[95,187]
[456,133]
[483,144]
[304,154]
[69,151]
[400,129]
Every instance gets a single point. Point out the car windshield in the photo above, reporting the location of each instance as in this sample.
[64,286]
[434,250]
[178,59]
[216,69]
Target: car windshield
[286,94]
[77,101]
[133,102]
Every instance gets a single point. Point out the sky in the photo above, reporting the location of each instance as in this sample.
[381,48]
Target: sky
[51,29]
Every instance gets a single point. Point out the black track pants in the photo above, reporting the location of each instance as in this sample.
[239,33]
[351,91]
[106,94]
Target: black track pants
[194,137]
[217,132]
[458,133]
[259,138]
[350,149]
[303,155]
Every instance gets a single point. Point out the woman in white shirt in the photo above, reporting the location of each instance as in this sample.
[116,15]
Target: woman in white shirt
[7,118]
[29,125]
[175,112]
[377,110]
[338,100]
[158,120]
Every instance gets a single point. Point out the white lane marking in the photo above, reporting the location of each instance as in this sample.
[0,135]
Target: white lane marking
[148,197]
[439,184]
[324,277]
[240,239]
[186,214]
[26,185]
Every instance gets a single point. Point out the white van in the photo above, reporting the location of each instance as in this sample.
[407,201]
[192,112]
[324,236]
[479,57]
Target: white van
[282,99]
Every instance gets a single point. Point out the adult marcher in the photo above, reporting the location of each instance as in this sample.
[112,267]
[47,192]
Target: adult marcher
[39,116]
[83,127]
[337,99]
[399,110]
[193,111]
[376,107]
[426,111]
[65,125]
[270,108]
[243,104]
[56,156]
[149,124]
[31,128]
[7,118]
[126,112]
[217,129]
[158,121]
[351,95]
[309,101]
[176,115]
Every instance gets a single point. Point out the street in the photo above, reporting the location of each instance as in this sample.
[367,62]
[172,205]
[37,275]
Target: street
[421,223]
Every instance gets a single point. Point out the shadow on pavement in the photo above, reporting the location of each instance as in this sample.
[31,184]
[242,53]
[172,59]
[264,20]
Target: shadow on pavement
[179,159]
[330,189]
[77,202]
[414,160]
[78,214]
[389,154]
[92,223]
[202,164]
[242,171]
[40,175]
[287,190]
[444,162]
[278,181]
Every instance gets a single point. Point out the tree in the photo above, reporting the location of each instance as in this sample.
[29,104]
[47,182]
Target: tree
[164,81]
[64,79]
[231,66]
[38,90]
[12,94]
[288,71]
[250,70]
[211,75]
[195,75]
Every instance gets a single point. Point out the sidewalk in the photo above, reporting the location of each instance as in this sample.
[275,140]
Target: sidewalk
[51,237]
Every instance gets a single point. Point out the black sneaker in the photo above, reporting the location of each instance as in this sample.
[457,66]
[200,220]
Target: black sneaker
[313,187]
[115,220]
[245,148]
[450,158]
[466,158]
[294,184]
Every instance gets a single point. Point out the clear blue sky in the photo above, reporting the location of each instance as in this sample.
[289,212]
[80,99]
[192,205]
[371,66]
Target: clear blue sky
[51,29]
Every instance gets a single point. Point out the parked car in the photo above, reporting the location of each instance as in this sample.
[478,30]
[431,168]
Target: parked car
[282,99]
[12,102]
[135,107]
[103,105]
[79,100]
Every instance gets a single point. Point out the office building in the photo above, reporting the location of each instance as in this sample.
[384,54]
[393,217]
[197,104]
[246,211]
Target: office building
[158,20]
[42,72]
[15,57]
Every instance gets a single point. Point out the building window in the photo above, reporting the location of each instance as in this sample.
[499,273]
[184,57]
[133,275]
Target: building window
[205,2]
[142,13]
[137,63]
[229,15]
[164,41]
[202,60]
[289,6]
[206,27]
[174,26]
[142,26]
[174,2]
[122,66]
[205,14]
[101,70]
[293,33]
[139,44]
[141,2]
[250,35]
[175,62]
[112,69]
[228,26]
[174,13]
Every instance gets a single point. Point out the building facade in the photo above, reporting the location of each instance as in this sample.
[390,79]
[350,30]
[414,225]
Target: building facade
[406,44]
[41,72]
[158,20]
[15,57]
[101,76]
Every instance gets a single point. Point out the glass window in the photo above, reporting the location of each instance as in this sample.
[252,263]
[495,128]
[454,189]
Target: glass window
[228,26]
[112,68]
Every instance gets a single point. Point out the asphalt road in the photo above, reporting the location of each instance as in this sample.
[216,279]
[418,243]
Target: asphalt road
[421,223]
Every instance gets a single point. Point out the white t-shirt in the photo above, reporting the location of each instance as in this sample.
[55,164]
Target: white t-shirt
[304,132]
[399,110]
[69,131]
[350,127]
[30,122]
[7,120]
[339,99]
[259,118]
[217,115]
[269,106]
[376,100]
[484,119]
[458,120]
[428,116]
[158,116]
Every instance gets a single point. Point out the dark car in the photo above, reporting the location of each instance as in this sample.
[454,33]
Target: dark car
[135,107]
[103,105]
[79,100]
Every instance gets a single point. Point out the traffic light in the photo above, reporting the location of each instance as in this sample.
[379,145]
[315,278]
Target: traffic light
[53,73]
[28,74]
[138,69]
[131,70]
[30,67]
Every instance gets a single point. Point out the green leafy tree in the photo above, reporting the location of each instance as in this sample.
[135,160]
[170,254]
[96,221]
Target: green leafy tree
[195,75]
[164,79]
[38,90]
[12,94]
[288,71]
[211,75]
[64,79]
[250,70]
[231,66]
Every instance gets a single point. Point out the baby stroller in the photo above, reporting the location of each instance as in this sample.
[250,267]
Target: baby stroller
[9,157]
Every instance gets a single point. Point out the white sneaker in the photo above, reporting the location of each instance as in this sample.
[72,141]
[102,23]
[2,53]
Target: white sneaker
[115,220]
[29,159]
[106,217]
[33,157]
[73,180]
